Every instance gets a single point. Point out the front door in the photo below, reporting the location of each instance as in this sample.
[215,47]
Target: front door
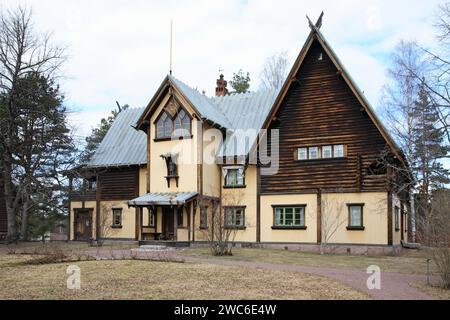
[83,224]
[168,226]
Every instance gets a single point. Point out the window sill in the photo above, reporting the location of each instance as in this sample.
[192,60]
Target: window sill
[320,160]
[116,227]
[288,228]
[173,139]
[235,228]
[235,187]
[349,228]
[203,228]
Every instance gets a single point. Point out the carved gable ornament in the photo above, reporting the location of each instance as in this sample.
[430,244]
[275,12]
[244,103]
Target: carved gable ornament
[171,107]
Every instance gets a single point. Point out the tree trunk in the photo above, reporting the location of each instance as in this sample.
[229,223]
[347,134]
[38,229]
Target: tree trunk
[24,225]
[9,198]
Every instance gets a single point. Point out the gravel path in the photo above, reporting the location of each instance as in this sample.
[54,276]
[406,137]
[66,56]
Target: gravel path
[394,286]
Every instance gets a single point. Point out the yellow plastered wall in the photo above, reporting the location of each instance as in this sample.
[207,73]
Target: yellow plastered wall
[244,197]
[128,230]
[335,209]
[79,205]
[187,150]
[211,171]
[304,236]
[142,180]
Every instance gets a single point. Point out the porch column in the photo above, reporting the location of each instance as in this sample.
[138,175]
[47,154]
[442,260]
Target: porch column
[175,222]
[188,211]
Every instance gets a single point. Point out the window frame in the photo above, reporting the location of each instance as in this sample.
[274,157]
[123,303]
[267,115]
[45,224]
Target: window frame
[234,209]
[291,227]
[151,218]
[397,218]
[180,220]
[234,186]
[351,227]
[320,154]
[204,214]
[114,225]
[165,137]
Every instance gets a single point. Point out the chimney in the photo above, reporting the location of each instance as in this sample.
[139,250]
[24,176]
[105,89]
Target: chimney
[221,89]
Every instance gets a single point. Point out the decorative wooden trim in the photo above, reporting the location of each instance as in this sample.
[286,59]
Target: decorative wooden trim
[175,223]
[319,216]
[258,204]
[389,219]
[97,207]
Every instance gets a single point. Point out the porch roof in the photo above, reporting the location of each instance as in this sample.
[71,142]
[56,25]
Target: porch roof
[163,199]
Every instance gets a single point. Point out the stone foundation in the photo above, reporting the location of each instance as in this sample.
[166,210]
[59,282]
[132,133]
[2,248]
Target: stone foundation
[339,249]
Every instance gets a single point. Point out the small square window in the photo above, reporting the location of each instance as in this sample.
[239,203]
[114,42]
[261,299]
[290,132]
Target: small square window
[327,152]
[338,151]
[313,153]
[235,217]
[302,154]
[234,178]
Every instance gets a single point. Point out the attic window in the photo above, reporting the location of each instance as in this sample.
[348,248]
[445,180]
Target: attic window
[168,127]
[320,56]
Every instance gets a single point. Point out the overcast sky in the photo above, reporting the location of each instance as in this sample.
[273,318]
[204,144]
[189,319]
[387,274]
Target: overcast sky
[119,50]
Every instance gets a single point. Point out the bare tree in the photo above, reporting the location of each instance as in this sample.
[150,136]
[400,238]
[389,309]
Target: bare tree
[275,71]
[333,217]
[104,224]
[23,53]
[436,223]
[221,230]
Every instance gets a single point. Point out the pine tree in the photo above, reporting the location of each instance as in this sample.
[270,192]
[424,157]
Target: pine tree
[429,150]
[240,82]
[97,134]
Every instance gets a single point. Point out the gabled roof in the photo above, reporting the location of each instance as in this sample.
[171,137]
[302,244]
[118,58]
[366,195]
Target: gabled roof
[315,34]
[123,145]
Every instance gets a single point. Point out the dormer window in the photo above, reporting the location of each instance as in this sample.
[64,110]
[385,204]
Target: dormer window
[234,177]
[170,126]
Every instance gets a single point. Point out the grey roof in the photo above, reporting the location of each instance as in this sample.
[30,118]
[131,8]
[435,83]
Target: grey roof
[162,199]
[235,112]
[245,111]
[123,145]
[202,103]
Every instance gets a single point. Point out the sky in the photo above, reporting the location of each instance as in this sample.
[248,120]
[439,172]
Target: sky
[118,50]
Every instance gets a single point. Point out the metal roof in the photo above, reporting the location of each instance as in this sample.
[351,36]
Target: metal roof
[163,199]
[245,111]
[123,145]
[202,103]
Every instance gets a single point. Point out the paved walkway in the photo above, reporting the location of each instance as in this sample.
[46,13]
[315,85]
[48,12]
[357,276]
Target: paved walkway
[394,286]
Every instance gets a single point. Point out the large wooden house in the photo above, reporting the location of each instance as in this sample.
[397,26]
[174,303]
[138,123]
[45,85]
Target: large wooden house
[158,173]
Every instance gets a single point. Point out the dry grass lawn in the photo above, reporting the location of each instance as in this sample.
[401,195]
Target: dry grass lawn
[159,280]
[414,262]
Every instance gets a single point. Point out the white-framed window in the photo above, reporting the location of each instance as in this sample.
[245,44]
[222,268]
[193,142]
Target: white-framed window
[327,152]
[234,177]
[313,153]
[235,217]
[302,153]
[338,151]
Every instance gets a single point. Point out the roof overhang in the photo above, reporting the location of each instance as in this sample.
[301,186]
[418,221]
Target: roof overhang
[163,199]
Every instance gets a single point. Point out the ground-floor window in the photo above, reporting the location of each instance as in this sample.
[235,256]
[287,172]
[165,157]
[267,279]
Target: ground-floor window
[235,217]
[397,218]
[204,217]
[355,216]
[180,216]
[117,218]
[286,217]
[151,217]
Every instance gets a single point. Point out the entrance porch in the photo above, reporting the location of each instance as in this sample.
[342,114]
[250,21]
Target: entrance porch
[165,218]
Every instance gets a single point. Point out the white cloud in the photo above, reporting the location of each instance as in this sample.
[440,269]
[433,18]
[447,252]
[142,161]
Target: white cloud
[119,50]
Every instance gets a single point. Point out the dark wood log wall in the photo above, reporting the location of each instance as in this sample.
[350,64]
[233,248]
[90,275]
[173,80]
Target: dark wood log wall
[320,109]
[119,184]
[3,217]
